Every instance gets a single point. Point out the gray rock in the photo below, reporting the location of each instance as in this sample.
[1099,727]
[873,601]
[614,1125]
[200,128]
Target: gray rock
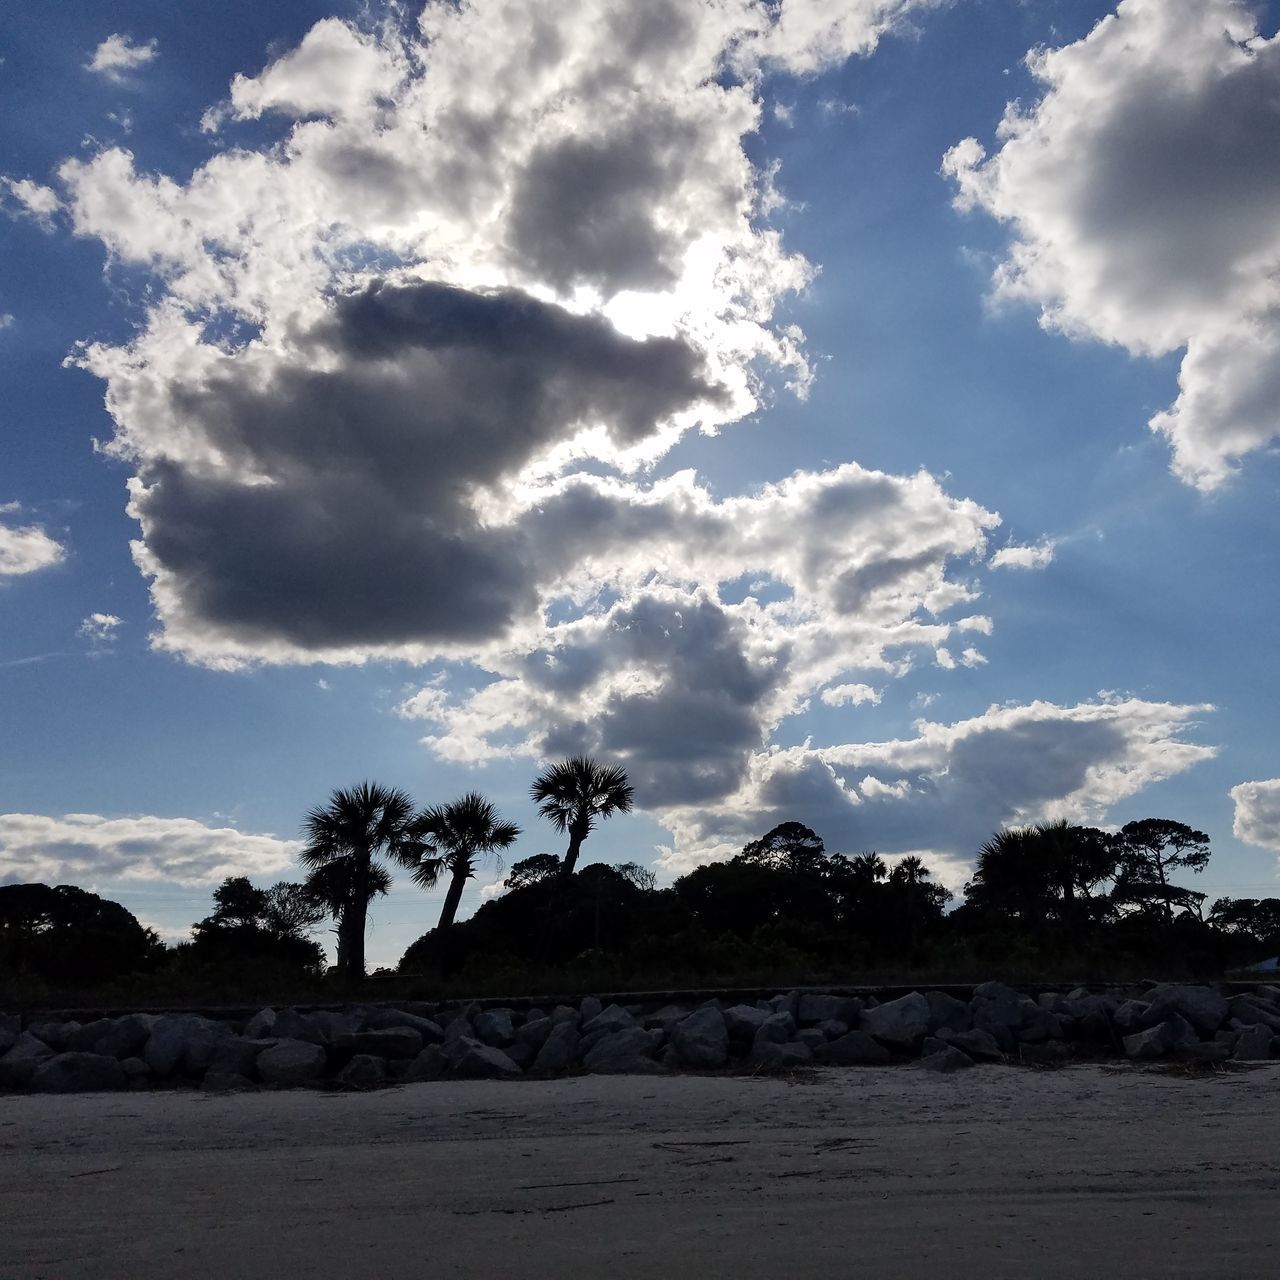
[788,1003]
[533,1015]
[390,1019]
[290,1063]
[814,1008]
[777,1028]
[238,1056]
[702,1039]
[459,1029]
[948,1061]
[165,1046]
[364,1071]
[78,1072]
[565,1013]
[137,1073]
[1161,1040]
[260,1024]
[394,1042]
[932,1044]
[1249,1011]
[114,1037]
[333,1025]
[855,1048]
[521,1054]
[203,1039]
[1266,992]
[495,1027]
[430,1064]
[1010,1016]
[19,1064]
[589,1007]
[946,1012]
[10,1030]
[57,1035]
[813,1037]
[833,1029]
[1254,1044]
[1203,1007]
[558,1052]
[614,1018]
[977,1044]
[901,1023]
[742,1022]
[1131,1016]
[292,1025]
[665,1018]
[772,1056]
[628,1051]
[534,1033]
[471,1059]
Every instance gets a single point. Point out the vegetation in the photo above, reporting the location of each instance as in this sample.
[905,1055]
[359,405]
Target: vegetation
[1053,900]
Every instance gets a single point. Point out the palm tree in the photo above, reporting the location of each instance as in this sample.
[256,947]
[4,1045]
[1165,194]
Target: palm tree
[344,839]
[450,838]
[575,793]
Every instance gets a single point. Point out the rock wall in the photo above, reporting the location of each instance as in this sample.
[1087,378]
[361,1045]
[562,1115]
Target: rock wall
[368,1047]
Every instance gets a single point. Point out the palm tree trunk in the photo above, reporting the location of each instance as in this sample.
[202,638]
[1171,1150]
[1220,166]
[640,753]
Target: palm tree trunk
[452,898]
[576,836]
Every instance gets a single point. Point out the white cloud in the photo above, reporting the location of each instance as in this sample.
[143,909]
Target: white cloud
[99,628]
[1141,191]
[1257,816]
[6,319]
[33,200]
[25,548]
[950,786]
[118,56]
[972,658]
[1013,557]
[83,846]
[853,695]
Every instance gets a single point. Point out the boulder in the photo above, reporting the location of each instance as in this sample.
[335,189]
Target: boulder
[79,1072]
[788,1002]
[742,1022]
[1010,1016]
[1266,992]
[430,1064]
[260,1024]
[390,1019]
[948,1061]
[854,1048]
[292,1025]
[1131,1016]
[364,1071]
[1254,1044]
[614,1018]
[495,1027]
[521,1054]
[589,1007]
[137,1073]
[238,1056]
[19,1064]
[782,1057]
[534,1033]
[900,1023]
[665,1018]
[814,1008]
[57,1035]
[205,1039]
[566,1013]
[114,1037]
[977,1044]
[947,1013]
[1203,1007]
[833,1029]
[10,1030]
[394,1042]
[472,1059]
[333,1025]
[628,1051]
[1161,1040]
[558,1051]
[1249,1011]
[813,1037]
[702,1038]
[290,1063]
[459,1028]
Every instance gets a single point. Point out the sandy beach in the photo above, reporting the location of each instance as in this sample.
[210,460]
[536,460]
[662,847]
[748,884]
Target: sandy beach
[882,1173]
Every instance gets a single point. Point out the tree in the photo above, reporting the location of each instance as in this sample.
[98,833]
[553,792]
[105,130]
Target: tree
[344,840]
[532,870]
[575,794]
[451,838]
[237,902]
[1148,851]
[257,932]
[790,845]
[1256,919]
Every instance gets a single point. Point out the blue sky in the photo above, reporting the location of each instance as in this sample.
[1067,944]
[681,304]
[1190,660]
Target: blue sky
[455,368]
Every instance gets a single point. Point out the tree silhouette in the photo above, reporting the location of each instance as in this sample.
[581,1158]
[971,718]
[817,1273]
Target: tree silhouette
[575,794]
[449,839]
[1149,849]
[789,844]
[532,870]
[344,839]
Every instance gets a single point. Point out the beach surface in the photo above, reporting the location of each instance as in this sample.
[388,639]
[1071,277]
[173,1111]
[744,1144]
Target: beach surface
[889,1172]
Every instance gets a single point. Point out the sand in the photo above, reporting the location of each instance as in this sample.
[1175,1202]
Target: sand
[1001,1171]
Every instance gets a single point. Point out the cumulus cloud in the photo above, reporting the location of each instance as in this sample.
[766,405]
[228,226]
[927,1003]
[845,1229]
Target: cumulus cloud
[25,548]
[99,628]
[29,199]
[1015,557]
[1141,191]
[117,57]
[1257,816]
[948,787]
[83,847]
[854,695]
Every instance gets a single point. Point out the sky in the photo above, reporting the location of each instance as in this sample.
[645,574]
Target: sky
[855,412]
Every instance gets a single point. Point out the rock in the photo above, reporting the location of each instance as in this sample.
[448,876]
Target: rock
[218,1081]
[811,1036]
[946,1012]
[977,1044]
[1010,1016]
[364,1071]
[788,1003]
[742,1022]
[1249,1011]
[702,1038]
[589,1007]
[238,1056]
[614,1018]
[521,1054]
[1254,1044]
[1207,1051]
[391,1019]
[833,1029]
[558,1052]
[534,1033]
[1052,1053]
[57,1035]
[1131,1016]
[1265,992]
[10,1030]
[292,1025]
[182,1042]
[1161,1040]
[260,1024]
[471,1059]
[1203,1007]
[782,1057]
[948,1061]
[79,1072]
[565,1013]
[203,1039]
[430,1064]
[625,1052]
[333,1025]
[901,1023]
[495,1027]
[136,1072]
[114,1037]
[1095,1028]
[290,1063]
[932,1044]
[666,1017]
[854,1048]
[459,1029]
[394,1042]
[814,1008]
[533,1014]
[19,1064]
